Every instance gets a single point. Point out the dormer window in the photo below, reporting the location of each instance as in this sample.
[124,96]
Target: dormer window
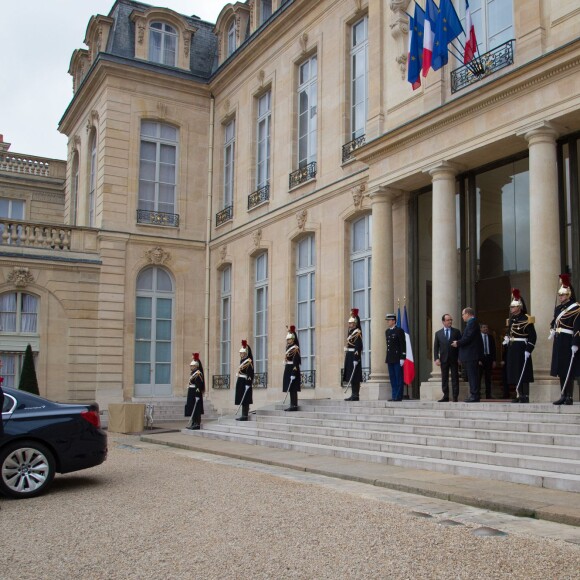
[162,43]
[232,37]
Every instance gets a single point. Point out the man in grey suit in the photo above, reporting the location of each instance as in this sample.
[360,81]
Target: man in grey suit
[446,357]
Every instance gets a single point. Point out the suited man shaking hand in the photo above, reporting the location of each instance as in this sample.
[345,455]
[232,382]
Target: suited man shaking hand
[446,357]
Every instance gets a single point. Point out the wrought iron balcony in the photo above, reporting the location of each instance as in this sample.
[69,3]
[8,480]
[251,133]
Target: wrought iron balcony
[157,218]
[351,146]
[366,373]
[220,382]
[227,214]
[259,197]
[483,66]
[308,379]
[303,174]
[260,381]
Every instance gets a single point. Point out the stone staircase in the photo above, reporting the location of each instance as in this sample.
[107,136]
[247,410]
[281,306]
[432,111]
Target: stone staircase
[532,444]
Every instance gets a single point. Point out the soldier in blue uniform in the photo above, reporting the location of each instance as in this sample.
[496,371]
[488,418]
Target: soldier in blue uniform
[195,391]
[352,373]
[565,331]
[244,380]
[291,379]
[396,355]
[520,341]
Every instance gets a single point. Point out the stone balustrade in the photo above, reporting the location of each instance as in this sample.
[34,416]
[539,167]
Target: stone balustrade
[34,235]
[24,164]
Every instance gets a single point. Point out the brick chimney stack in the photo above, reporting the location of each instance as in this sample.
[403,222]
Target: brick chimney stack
[4,146]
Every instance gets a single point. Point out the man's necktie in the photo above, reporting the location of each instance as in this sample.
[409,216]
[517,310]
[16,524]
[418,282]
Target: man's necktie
[485,346]
[447,334]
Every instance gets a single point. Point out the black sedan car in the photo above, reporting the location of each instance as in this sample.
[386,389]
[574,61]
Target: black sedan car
[41,438]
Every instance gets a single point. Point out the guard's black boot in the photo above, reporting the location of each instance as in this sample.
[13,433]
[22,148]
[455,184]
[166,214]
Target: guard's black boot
[355,392]
[561,400]
[516,400]
[569,401]
[350,398]
[525,398]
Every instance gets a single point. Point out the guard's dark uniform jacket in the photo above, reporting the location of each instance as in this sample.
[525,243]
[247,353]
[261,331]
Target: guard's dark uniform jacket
[396,345]
[245,377]
[352,352]
[521,335]
[566,326]
[195,390]
[292,369]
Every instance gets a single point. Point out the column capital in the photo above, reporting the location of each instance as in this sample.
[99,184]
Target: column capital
[442,168]
[383,193]
[543,131]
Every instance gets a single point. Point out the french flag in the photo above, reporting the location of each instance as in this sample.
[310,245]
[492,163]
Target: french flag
[416,25]
[409,365]
[429,34]
[471,41]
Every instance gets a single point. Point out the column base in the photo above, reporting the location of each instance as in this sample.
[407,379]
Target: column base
[376,390]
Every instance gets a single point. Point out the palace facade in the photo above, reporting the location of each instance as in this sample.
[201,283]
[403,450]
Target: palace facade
[227,180]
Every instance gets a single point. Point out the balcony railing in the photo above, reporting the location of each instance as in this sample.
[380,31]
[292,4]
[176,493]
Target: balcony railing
[157,218]
[227,214]
[259,197]
[260,381]
[366,373]
[220,382]
[303,174]
[351,146]
[482,66]
[44,236]
[308,379]
[24,164]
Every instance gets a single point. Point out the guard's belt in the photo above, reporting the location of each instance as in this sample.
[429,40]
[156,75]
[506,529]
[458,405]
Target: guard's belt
[564,330]
[518,339]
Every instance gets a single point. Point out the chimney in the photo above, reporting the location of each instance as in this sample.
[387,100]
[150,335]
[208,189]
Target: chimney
[4,146]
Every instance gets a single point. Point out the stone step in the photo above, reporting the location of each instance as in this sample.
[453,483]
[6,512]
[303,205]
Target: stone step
[530,476]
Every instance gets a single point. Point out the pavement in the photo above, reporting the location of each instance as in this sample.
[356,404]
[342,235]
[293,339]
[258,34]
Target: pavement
[510,498]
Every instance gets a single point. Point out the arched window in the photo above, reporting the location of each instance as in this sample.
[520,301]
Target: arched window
[74,190]
[162,43]
[360,269]
[92,178]
[261,313]
[306,301]
[153,332]
[231,46]
[225,320]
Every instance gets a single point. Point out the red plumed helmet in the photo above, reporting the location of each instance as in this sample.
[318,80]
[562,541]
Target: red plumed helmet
[244,346]
[566,287]
[516,298]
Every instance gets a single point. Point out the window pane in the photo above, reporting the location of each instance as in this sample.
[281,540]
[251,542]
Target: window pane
[145,280]
[143,329]
[163,351]
[144,307]
[162,374]
[163,331]
[142,373]
[164,306]
[164,284]
[143,352]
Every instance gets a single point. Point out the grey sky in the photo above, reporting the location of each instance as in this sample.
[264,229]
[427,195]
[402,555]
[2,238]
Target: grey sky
[38,39]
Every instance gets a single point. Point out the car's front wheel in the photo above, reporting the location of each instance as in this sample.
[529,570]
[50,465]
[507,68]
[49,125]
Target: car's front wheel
[26,469]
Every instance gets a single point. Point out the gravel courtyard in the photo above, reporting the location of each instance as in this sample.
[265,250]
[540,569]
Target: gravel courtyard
[150,513]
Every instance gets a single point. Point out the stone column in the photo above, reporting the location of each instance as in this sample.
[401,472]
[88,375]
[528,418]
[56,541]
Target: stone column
[544,247]
[445,284]
[382,296]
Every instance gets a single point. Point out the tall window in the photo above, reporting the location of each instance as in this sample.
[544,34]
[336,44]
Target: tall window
[153,333]
[74,188]
[265,10]
[229,162]
[307,111]
[493,21]
[305,301]
[157,167]
[93,178]
[264,119]
[261,313]
[11,208]
[359,65]
[231,37]
[225,320]
[360,267]
[162,43]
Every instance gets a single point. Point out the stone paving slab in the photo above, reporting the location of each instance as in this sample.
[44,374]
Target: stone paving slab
[500,496]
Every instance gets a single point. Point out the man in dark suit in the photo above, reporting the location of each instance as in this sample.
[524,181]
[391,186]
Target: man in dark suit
[487,363]
[396,354]
[470,352]
[445,357]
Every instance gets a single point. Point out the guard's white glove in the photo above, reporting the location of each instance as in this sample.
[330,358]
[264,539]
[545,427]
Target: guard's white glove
[526,355]
[402,361]
[574,349]
[354,363]
[506,340]
[552,333]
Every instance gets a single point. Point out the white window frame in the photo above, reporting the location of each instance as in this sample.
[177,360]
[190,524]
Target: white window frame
[15,208]
[361,286]
[231,43]
[261,315]
[162,180]
[265,10]
[225,320]
[229,163]
[168,45]
[359,50]
[481,14]
[92,179]
[306,304]
[307,108]
[74,187]
[263,136]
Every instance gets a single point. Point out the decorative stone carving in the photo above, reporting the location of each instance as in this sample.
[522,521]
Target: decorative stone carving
[227,106]
[99,39]
[261,77]
[223,252]
[92,120]
[20,277]
[186,44]
[157,255]
[402,62]
[303,40]
[399,30]
[140,31]
[257,237]
[161,110]
[301,217]
[357,5]
[358,193]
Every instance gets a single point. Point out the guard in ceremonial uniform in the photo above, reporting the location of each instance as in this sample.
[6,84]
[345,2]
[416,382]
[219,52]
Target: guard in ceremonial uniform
[195,391]
[520,341]
[244,380]
[291,380]
[396,355]
[565,331]
[352,356]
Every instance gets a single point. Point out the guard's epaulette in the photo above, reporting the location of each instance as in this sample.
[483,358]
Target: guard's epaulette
[245,364]
[196,374]
[292,349]
[531,319]
[356,332]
